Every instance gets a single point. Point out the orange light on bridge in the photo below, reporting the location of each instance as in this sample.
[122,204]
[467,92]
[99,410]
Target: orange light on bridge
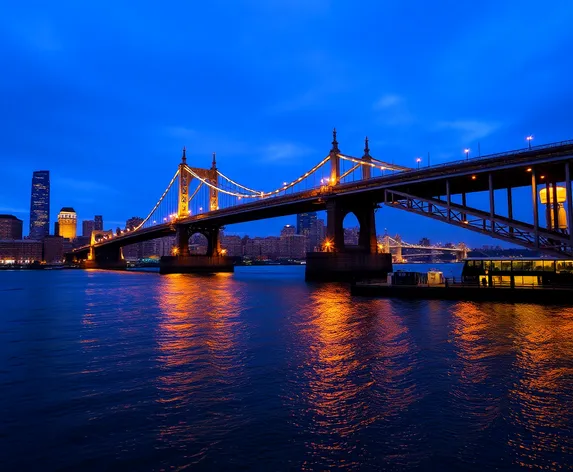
[541,176]
[175,250]
[474,177]
[529,169]
[223,252]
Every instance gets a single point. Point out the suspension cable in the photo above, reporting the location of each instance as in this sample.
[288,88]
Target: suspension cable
[302,177]
[206,182]
[159,202]
[239,185]
[349,171]
[384,165]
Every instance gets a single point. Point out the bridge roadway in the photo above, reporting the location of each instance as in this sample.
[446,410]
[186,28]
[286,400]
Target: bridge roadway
[509,169]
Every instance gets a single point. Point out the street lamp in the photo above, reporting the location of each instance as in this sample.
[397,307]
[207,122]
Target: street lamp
[529,139]
[418,160]
[467,151]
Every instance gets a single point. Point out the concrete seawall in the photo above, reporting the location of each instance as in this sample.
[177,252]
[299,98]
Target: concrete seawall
[195,264]
[346,266]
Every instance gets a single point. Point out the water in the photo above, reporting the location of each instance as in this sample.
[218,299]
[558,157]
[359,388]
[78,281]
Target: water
[260,371]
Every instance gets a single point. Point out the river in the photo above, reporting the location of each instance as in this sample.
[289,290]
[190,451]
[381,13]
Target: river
[259,370]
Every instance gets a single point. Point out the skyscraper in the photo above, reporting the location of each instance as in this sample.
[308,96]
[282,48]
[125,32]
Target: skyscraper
[40,205]
[98,223]
[67,223]
[87,227]
[306,224]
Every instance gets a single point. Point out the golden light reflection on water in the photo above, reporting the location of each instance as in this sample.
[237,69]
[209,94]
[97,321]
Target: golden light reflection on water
[198,353]
[541,395]
[352,374]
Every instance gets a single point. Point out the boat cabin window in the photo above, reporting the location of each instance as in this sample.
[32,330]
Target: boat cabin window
[564,266]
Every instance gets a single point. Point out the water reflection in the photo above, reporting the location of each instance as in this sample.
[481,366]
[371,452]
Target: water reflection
[201,361]
[541,394]
[483,353]
[352,375]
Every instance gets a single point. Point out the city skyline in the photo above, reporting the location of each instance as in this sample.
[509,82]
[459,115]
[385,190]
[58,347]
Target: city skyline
[269,118]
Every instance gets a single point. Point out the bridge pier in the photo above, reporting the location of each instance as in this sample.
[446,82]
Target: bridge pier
[343,263]
[107,258]
[185,263]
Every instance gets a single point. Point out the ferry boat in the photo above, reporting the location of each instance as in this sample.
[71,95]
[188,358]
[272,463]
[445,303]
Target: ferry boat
[531,280]
[511,272]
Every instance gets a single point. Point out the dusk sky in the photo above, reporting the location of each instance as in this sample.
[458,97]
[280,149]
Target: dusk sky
[105,94]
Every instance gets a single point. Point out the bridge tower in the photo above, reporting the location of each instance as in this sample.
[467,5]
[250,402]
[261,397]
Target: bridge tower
[334,161]
[337,209]
[366,170]
[213,192]
[184,180]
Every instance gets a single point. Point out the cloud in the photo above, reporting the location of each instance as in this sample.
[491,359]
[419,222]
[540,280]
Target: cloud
[393,111]
[285,153]
[387,101]
[471,130]
[180,132]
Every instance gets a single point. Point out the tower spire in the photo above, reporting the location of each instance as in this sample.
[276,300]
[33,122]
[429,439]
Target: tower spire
[366,148]
[184,157]
[334,141]
[214,163]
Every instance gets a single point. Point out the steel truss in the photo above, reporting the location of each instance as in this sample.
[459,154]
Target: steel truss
[500,227]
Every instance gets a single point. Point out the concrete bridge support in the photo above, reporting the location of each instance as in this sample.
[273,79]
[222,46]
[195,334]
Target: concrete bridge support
[107,257]
[336,211]
[185,263]
[343,263]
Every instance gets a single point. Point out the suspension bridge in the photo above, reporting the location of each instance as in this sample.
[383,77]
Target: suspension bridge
[202,200]
[395,245]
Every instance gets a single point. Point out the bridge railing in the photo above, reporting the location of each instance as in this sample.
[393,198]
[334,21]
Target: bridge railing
[526,150]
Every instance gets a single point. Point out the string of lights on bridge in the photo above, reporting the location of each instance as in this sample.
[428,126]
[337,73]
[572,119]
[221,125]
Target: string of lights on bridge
[230,192]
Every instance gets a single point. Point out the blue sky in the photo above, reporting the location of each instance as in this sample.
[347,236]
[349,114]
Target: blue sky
[105,94]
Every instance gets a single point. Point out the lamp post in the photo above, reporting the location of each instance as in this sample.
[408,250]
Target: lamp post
[418,160]
[529,139]
[467,151]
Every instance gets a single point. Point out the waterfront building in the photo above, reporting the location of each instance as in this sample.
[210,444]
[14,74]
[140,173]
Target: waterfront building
[87,227]
[10,227]
[23,251]
[53,249]
[253,247]
[67,223]
[292,245]
[270,247]
[98,223]
[233,245]
[40,205]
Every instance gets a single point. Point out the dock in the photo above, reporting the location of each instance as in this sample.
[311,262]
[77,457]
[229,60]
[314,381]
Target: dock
[463,292]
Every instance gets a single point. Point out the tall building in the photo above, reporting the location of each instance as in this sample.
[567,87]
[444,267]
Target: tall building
[67,223]
[40,205]
[10,227]
[307,225]
[98,223]
[87,227]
